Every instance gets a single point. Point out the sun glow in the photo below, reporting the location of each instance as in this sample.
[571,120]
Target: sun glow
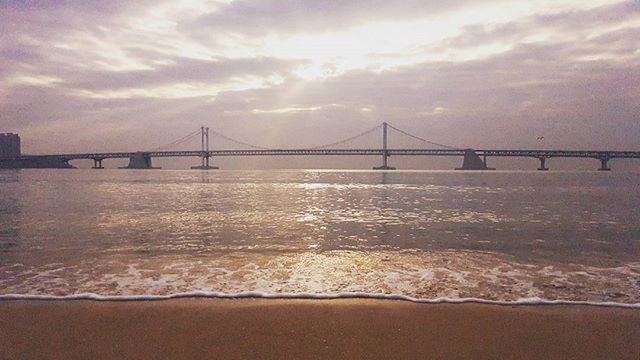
[154,39]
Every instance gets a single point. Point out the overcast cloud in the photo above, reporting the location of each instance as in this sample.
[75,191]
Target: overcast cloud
[96,75]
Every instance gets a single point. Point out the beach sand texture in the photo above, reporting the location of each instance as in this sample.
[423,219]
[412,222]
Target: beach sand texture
[310,329]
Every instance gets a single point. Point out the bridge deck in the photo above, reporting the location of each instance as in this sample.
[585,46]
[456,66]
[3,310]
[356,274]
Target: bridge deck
[597,154]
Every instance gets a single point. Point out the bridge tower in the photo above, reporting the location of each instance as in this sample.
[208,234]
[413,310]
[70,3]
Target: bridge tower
[385,152]
[204,151]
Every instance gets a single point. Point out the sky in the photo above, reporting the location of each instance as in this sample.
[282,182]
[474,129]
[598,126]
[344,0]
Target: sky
[123,76]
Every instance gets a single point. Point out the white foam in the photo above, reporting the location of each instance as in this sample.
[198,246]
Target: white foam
[345,295]
[410,275]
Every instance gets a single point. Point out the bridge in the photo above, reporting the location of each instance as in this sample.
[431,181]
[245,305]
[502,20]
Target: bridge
[473,159]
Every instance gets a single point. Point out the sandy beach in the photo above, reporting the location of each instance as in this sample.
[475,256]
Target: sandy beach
[344,328]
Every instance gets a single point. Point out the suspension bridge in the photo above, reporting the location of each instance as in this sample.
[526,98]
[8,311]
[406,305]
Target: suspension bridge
[391,141]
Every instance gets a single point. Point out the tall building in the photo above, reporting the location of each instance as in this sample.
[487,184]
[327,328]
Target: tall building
[9,145]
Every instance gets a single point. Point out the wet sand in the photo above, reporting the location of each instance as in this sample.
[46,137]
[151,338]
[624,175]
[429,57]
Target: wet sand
[343,328]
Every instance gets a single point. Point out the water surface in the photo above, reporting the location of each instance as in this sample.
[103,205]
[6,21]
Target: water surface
[490,235]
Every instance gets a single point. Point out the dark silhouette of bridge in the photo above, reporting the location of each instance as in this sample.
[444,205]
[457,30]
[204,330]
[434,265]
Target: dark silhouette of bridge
[473,159]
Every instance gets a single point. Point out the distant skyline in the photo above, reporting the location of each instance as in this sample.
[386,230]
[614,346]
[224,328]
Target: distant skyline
[108,76]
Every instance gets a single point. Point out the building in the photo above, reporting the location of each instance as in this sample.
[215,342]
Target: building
[9,145]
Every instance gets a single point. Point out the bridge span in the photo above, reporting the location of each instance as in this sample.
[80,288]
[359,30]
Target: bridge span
[473,159]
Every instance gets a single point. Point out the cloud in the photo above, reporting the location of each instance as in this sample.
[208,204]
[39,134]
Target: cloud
[307,16]
[278,73]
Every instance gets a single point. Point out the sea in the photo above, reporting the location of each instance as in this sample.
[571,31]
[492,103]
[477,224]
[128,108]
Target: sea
[494,236]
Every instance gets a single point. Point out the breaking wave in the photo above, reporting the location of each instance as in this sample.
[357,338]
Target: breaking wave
[262,295]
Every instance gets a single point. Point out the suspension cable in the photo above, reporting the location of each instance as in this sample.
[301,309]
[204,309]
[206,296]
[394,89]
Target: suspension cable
[238,141]
[377,127]
[421,139]
[347,139]
[178,141]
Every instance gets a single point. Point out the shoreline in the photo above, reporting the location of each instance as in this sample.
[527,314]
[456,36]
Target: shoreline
[250,295]
[313,328]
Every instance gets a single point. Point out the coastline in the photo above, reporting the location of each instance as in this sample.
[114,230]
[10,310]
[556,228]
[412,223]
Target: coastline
[313,328]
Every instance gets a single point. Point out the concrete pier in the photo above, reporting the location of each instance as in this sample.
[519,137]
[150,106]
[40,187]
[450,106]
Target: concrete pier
[543,166]
[205,167]
[604,164]
[140,160]
[97,164]
[205,164]
[473,162]
[384,165]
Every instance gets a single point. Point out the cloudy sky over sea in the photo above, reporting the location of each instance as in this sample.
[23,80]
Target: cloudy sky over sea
[109,75]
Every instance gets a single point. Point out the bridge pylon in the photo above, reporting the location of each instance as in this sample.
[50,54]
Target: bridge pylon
[385,152]
[205,154]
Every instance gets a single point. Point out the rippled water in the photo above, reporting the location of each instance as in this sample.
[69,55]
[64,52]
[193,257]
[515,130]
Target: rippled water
[490,235]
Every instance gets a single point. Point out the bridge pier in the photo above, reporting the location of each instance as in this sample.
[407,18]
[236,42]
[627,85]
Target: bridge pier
[604,166]
[473,162]
[542,164]
[140,160]
[205,164]
[385,165]
[97,164]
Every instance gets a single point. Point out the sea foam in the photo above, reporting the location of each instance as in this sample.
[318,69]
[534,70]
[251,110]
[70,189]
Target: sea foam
[346,295]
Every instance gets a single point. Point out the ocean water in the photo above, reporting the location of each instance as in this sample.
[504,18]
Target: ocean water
[499,236]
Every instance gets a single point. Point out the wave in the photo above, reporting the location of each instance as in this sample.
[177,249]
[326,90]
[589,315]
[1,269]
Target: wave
[346,295]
